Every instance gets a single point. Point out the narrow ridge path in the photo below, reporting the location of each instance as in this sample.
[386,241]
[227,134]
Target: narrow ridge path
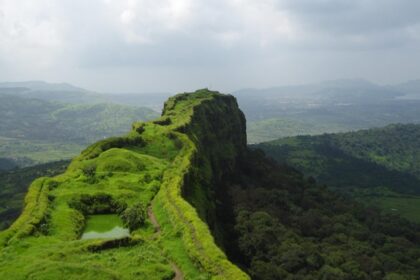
[155,223]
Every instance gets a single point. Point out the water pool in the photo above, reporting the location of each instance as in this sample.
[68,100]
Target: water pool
[108,226]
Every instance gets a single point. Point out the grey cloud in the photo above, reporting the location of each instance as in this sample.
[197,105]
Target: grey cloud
[355,16]
[230,43]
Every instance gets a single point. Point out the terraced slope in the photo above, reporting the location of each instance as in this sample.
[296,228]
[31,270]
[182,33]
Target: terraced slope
[168,165]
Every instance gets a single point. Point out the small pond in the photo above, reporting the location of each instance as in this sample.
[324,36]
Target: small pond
[107,226]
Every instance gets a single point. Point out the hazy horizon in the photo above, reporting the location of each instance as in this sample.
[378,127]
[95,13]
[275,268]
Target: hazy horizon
[192,89]
[181,45]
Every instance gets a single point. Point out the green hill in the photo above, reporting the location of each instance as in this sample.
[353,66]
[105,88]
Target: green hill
[182,197]
[34,130]
[149,166]
[382,162]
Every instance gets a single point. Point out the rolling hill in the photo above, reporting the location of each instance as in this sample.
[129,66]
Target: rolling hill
[35,130]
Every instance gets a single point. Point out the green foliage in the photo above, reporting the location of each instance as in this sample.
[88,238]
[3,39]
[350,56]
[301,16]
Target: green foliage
[15,183]
[379,166]
[113,142]
[192,171]
[284,226]
[100,203]
[134,216]
[123,175]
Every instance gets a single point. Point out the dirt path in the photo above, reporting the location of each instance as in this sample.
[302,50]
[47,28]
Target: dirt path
[153,219]
[155,223]
[178,272]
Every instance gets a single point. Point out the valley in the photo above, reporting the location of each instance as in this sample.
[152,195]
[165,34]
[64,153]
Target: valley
[36,131]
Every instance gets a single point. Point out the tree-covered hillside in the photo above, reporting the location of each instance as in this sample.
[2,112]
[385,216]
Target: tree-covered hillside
[376,163]
[286,227]
[35,130]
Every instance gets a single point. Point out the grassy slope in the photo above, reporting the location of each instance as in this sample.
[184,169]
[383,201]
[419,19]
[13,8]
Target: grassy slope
[14,185]
[369,162]
[147,166]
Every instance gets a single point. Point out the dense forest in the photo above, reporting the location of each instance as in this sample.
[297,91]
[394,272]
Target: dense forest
[380,166]
[287,227]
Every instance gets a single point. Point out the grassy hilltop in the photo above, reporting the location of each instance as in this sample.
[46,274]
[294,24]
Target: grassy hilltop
[149,167]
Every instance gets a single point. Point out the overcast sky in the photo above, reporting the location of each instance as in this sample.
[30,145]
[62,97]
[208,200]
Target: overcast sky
[179,45]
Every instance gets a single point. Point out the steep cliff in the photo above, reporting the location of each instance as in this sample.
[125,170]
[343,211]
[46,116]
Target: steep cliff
[217,128]
[170,168]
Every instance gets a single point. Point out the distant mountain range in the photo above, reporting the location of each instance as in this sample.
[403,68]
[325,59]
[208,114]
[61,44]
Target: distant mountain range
[333,106]
[327,107]
[63,92]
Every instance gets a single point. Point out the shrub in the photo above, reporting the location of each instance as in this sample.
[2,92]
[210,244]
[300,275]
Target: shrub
[134,216]
[100,203]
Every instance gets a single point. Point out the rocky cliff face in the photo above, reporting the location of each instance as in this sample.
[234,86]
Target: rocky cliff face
[218,129]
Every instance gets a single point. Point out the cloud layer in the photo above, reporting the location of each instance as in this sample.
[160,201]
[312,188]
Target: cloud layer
[160,45]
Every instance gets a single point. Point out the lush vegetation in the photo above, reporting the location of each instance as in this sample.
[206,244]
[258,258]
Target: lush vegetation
[283,226]
[186,182]
[123,175]
[14,185]
[381,166]
[35,130]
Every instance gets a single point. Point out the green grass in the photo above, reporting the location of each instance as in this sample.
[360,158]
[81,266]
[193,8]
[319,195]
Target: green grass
[147,166]
[14,185]
[406,206]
